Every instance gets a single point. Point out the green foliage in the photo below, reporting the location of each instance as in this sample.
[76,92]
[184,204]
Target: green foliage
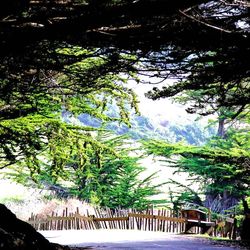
[12,199]
[127,190]
[112,177]
[204,93]
[239,211]
[31,124]
[34,141]
[102,172]
[182,195]
[221,165]
[43,74]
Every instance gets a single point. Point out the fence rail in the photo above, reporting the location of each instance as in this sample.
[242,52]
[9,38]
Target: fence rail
[151,220]
[162,220]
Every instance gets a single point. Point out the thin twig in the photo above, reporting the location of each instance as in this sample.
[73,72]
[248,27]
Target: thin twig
[206,24]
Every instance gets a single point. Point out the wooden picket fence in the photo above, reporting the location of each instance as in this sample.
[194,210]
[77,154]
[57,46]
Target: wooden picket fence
[161,220]
[148,220]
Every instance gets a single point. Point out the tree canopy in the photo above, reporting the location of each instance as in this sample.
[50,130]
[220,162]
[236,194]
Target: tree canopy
[71,55]
[187,35]
[204,43]
[221,166]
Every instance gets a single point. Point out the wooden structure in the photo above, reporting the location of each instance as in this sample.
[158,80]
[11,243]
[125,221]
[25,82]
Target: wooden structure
[197,218]
[150,220]
[194,214]
[163,220]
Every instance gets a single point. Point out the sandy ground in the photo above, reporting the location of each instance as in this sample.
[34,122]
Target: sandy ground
[130,239]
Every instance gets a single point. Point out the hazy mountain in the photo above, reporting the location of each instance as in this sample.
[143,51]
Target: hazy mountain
[159,127]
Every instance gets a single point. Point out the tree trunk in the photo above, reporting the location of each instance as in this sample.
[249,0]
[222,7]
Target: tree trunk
[245,231]
[221,128]
[218,203]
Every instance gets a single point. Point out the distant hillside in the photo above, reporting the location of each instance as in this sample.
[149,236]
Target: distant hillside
[159,128]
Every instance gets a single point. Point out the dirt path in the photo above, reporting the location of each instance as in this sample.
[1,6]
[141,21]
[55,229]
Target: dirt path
[134,240]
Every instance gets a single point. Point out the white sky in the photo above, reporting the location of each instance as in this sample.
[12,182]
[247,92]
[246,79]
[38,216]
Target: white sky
[162,109]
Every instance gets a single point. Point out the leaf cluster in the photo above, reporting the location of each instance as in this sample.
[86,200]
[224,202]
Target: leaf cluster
[215,166]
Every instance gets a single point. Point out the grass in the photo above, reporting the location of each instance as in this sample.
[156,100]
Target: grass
[12,199]
[221,241]
[229,242]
